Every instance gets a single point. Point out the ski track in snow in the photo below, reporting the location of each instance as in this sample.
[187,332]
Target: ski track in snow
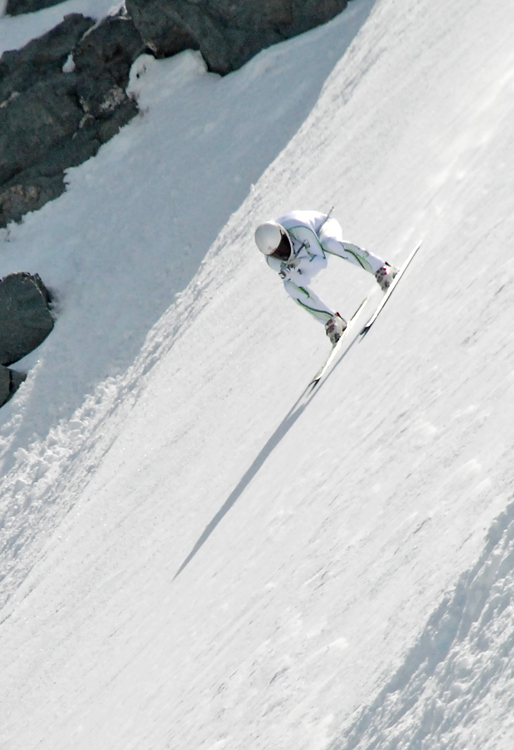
[320,551]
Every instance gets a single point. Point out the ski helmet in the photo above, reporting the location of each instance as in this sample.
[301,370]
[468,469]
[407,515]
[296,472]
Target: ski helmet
[272,239]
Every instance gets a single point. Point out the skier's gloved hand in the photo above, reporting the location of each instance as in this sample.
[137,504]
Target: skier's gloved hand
[289,272]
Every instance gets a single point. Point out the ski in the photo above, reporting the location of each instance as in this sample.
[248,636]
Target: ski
[335,348]
[391,289]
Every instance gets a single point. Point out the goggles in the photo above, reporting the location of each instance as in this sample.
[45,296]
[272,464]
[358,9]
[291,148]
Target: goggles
[284,250]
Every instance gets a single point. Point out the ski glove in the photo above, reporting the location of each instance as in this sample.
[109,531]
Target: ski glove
[289,272]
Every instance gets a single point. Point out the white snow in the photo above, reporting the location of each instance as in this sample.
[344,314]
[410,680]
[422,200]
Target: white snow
[187,560]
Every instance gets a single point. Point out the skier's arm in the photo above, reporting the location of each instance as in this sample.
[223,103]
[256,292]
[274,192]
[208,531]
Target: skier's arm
[300,270]
[310,263]
[291,272]
[274,263]
[310,302]
[287,271]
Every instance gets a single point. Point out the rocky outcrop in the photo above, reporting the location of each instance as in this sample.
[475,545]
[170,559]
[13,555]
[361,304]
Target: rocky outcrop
[10,381]
[227,33]
[25,318]
[61,97]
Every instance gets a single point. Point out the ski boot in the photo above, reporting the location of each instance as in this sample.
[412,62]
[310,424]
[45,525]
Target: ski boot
[385,275]
[335,327]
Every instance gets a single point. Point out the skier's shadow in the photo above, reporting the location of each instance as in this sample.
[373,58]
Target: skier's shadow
[289,420]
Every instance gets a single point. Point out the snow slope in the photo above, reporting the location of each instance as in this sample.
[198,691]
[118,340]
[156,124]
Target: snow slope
[190,561]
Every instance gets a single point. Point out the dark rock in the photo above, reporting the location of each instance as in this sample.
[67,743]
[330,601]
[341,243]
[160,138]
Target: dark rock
[35,122]
[102,64]
[10,381]
[25,318]
[27,193]
[51,120]
[119,117]
[16,7]
[227,33]
[41,58]
[31,188]
[162,28]
[110,48]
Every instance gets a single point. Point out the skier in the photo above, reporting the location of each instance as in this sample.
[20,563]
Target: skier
[296,245]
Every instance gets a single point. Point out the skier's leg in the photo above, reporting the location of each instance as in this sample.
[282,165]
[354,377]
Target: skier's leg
[331,239]
[306,298]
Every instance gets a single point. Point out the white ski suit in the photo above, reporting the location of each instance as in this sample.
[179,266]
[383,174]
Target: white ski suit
[313,236]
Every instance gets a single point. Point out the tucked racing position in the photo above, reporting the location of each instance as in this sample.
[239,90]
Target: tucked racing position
[296,246]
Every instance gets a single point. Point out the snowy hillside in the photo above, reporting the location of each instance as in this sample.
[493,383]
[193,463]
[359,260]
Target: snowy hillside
[187,560]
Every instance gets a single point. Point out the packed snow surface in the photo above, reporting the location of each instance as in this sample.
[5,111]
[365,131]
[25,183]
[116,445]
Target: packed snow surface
[193,558]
